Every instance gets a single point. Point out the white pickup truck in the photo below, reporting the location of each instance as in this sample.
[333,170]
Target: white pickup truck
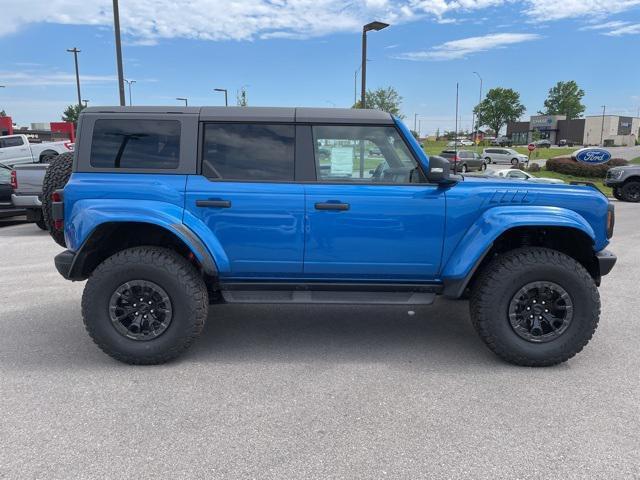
[16,150]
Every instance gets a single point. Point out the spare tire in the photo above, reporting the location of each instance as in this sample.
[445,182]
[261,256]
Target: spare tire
[56,177]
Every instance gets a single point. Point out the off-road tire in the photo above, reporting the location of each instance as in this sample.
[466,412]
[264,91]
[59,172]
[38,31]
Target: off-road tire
[40,223]
[56,177]
[617,193]
[631,192]
[505,275]
[181,281]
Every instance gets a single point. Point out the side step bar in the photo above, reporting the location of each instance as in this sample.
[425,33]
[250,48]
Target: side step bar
[330,293]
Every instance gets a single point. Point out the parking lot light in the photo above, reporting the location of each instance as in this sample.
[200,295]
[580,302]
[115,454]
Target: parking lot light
[226,102]
[373,26]
[75,52]
[182,99]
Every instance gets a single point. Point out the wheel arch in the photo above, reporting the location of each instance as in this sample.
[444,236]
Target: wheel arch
[108,238]
[502,229]
[47,153]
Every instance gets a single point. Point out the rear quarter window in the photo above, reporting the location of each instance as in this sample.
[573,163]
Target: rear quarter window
[136,144]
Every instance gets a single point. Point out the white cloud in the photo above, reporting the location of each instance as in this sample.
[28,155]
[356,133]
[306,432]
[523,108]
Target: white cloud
[46,78]
[456,49]
[147,22]
[545,10]
[631,29]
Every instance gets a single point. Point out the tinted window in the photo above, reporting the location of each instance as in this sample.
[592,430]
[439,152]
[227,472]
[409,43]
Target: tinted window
[238,151]
[146,144]
[362,154]
[11,142]
[465,154]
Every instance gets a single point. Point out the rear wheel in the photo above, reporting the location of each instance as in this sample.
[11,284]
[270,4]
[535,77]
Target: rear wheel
[483,167]
[145,305]
[56,177]
[488,159]
[631,192]
[40,223]
[617,193]
[535,307]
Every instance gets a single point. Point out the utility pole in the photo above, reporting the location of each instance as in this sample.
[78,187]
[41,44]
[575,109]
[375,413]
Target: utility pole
[226,100]
[604,109]
[373,26]
[415,122]
[116,28]
[75,52]
[129,83]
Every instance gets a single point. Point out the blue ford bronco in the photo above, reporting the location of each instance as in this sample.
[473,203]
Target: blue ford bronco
[167,211]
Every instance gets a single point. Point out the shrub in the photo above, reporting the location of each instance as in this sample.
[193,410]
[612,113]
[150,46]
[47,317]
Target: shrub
[569,166]
[534,167]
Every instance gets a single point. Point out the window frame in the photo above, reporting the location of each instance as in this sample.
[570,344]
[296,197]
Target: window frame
[187,162]
[412,154]
[201,140]
[2,145]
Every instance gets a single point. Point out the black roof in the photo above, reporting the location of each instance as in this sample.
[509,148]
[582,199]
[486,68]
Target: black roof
[263,114]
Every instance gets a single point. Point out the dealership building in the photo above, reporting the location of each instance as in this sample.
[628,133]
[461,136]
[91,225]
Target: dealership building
[608,130]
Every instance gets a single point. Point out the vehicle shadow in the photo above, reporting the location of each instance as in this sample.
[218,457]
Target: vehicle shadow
[438,335]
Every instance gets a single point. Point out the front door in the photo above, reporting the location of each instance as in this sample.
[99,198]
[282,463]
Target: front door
[368,217]
[247,198]
[14,151]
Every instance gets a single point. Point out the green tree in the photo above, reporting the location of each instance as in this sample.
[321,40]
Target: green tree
[499,107]
[71,113]
[385,99]
[564,99]
[415,134]
[3,113]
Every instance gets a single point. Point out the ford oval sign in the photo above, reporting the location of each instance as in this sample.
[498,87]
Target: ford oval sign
[592,156]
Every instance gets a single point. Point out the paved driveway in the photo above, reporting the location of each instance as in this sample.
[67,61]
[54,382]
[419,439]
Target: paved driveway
[302,392]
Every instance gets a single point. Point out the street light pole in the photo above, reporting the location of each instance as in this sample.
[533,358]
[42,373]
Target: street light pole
[604,109]
[86,102]
[75,52]
[373,26]
[129,83]
[415,122]
[226,101]
[186,102]
[477,128]
[116,28]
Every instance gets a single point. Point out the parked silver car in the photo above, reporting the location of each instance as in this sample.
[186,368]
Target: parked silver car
[503,155]
[514,173]
[464,161]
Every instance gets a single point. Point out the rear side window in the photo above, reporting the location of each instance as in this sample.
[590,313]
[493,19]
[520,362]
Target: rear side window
[248,151]
[11,142]
[136,144]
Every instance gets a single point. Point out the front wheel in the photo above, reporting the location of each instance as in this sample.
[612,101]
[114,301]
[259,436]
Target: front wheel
[488,159]
[535,307]
[144,305]
[483,167]
[463,169]
[514,162]
[631,192]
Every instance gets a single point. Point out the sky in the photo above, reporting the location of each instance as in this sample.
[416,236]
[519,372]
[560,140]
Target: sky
[306,53]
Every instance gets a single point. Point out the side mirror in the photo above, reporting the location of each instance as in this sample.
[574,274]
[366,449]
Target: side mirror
[439,171]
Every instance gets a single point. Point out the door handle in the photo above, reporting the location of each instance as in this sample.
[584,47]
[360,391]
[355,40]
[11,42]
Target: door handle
[213,203]
[332,206]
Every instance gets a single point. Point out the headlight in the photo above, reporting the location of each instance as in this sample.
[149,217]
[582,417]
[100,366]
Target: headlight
[615,174]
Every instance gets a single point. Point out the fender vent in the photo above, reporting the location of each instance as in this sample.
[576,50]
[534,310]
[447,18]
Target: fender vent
[503,197]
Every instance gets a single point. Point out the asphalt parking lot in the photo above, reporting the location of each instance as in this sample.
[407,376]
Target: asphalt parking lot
[311,392]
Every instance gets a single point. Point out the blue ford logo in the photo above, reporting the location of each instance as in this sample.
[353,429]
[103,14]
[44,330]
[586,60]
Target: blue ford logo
[592,156]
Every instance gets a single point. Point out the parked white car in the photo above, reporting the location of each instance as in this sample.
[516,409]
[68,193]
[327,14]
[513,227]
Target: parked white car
[462,142]
[503,155]
[16,150]
[514,173]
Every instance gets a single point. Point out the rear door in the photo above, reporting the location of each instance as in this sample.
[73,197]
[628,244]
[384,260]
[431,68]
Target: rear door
[14,150]
[368,217]
[247,197]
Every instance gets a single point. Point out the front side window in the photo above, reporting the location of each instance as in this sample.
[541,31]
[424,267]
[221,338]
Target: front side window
[11,142]
[365,154]
[248,151]
[136,144]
